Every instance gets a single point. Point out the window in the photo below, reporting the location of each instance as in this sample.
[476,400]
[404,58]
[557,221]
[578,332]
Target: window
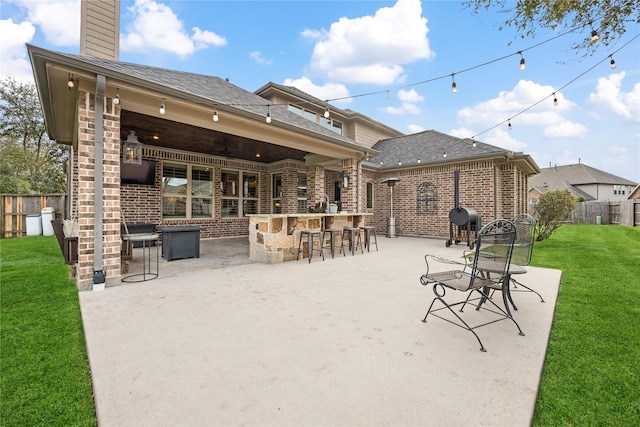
[302,193]
[276,193]
[331,124]
[187,191]
[369,195]
[238,200]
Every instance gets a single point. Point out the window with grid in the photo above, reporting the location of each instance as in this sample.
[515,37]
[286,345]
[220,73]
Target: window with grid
[302,193]
[239,194]
[187,191]
[369,195]
[276,193]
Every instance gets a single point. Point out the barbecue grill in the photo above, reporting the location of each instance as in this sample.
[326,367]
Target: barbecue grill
[463,221]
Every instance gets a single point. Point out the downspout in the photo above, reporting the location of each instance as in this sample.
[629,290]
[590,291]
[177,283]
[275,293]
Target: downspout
[358,170]
[98,274]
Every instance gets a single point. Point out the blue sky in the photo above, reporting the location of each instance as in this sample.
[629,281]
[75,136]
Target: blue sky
[340,49]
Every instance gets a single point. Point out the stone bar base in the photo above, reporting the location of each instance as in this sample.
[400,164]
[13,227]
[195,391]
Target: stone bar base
[273,238]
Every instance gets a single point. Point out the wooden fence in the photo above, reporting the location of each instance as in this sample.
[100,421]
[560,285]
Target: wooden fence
[15,208]
[625,212]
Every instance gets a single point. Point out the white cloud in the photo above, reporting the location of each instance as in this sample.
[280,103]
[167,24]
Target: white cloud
[497,137]
[565,129]
[609,95]
[415,128]
[58,20]
[156,27]
[511,104]
[257,56]
[409,99]
[13,55]
[327,91]
[371,48]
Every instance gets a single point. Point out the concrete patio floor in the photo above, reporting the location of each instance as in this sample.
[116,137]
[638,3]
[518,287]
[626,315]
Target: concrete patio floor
[222,341]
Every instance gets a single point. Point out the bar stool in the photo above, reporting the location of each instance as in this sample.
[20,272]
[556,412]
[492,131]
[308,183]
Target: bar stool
[332,240]
[310,236]
[368,232]
[354,239]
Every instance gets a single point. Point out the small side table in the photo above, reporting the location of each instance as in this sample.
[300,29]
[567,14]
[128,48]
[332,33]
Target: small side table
[147,274]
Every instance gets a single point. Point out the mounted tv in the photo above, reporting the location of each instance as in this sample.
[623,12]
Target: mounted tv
[142,174]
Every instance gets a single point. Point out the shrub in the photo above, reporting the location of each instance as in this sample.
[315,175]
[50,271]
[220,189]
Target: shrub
[552,208]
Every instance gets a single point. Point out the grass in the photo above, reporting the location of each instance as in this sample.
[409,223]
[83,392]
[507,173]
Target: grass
[591,375]
[44,372]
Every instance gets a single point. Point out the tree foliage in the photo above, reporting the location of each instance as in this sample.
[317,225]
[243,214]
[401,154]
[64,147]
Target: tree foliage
[609,18]
[30,161]
[552,208]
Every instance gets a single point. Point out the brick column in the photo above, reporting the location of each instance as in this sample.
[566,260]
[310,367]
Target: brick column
[86,190]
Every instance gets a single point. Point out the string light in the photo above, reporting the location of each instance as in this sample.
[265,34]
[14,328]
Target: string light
[444,153]
[509,124]
[326,112]
[612,63]
[215,115]
[521,61]
[594,36]
[454,87]
[70,82]
[474,144]
[555,100]
[116,99]
[268,119]
[162,109]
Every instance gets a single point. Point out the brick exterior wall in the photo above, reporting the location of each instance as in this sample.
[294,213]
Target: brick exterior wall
[85,189]
[417,217]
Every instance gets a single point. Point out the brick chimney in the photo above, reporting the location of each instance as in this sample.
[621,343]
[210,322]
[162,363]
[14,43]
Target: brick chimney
[100,28]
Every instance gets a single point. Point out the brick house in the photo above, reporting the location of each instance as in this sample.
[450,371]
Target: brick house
[213,153]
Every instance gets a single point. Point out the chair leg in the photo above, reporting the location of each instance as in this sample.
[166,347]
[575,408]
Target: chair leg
[515,282]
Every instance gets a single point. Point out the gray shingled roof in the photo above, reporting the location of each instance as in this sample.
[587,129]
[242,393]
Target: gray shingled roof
[211,90]
[428,147]
[561,177]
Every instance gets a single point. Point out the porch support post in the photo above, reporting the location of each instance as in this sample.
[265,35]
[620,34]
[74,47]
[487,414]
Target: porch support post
[98,274]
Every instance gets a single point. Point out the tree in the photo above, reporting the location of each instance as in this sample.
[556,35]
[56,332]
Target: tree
[552,208]
[609,18]
[31,162]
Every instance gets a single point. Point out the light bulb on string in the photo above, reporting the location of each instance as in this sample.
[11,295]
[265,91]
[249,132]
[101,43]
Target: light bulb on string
[268,118]
[594,36]
[326,112]
[555,100]
[509,124]
[612,63]
[70,82]
[521,62]
[162,109]
[454,86]
[116,99]
[215,115]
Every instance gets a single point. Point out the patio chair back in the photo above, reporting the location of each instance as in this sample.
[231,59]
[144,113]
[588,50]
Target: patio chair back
[494,249]
[525,226]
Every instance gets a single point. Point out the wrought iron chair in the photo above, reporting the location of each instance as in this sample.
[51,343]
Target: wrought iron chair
[494,246]
[522,251]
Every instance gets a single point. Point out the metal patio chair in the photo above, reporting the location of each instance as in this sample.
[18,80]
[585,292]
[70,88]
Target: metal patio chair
[522,251]
[494,246]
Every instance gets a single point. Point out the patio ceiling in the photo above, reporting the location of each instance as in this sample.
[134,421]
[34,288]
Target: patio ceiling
[180,136]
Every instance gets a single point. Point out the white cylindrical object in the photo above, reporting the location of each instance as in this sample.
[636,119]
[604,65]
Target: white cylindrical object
[48,214]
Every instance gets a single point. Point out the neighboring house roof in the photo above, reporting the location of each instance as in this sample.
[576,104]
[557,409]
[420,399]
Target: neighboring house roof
[429,147]
[570,176]
[635,194]
[191,87]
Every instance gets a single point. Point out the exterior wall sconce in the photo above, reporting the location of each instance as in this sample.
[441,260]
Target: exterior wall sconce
[132,150]
[345,180]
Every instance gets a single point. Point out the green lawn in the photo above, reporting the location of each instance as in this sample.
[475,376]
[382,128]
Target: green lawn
[44,373]
[591,375]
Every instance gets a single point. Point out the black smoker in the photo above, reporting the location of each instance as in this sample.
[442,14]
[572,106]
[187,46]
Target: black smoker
[465,220]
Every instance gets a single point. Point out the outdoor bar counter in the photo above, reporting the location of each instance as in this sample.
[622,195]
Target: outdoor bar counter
[273,238]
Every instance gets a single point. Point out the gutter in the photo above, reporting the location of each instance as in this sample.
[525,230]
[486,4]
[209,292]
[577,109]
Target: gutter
[98,274]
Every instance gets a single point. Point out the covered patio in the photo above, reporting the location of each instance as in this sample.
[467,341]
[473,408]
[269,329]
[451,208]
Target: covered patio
[218,340]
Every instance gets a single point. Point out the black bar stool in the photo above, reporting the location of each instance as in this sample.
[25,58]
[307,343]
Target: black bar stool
[355,239]
[368,232]
[332,240]
[310,236]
